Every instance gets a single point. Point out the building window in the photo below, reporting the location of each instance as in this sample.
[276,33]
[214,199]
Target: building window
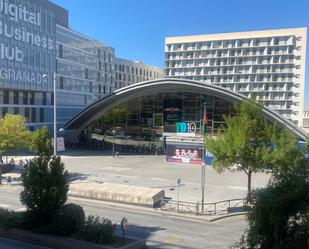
[60,52]
[15,98]
[25,98]
[90,86]
[33,115]
[42,116]
[61,82]
[27,113]
[44,99]
[86,73]
[6,96]
[16,110]
[4,111]
[32,98]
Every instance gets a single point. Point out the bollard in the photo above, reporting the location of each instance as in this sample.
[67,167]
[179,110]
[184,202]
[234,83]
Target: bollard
[9,180]
[197,208]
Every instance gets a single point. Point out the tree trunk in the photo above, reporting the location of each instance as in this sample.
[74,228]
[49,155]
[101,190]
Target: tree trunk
[249,183]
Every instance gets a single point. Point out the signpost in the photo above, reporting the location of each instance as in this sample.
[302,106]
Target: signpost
[178,185]
[205,121]
[124,226]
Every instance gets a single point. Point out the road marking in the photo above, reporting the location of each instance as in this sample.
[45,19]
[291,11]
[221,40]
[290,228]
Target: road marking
[5,206]
[172,240]
[124,176]
[158,179]
[236,187]
[115,169]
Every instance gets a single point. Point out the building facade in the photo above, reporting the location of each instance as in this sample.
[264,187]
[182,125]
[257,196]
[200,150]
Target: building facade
[306,120]
[129,72]
[27,53]
[36,42]
[85,72]
[268,66]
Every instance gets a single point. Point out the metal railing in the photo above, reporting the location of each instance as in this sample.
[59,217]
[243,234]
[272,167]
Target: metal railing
[211,208]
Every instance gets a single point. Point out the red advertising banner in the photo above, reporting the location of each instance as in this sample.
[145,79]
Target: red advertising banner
[184,153]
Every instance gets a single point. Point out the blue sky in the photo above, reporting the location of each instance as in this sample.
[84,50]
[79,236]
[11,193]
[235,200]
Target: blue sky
[137,28]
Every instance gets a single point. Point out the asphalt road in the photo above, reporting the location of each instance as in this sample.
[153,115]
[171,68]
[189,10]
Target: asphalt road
[161,231]
[13,244]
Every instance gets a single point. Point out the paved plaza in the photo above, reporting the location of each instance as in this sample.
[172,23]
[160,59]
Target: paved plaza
[154,172]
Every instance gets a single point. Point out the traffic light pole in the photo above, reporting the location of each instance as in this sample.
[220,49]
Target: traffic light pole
[203,162]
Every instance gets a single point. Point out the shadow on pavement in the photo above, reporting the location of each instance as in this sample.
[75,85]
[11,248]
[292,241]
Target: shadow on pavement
[94,153]
[78,153]
[142,232]
[145,232]
[77,176]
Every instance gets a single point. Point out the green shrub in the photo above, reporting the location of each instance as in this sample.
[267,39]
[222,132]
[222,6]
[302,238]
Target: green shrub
[11,219]
[45,187]
[7,218]
[68,220]
[97,230]
[45,182]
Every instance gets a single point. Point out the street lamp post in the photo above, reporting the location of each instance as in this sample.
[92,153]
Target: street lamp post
[203,158]
[55,114]
[55,110]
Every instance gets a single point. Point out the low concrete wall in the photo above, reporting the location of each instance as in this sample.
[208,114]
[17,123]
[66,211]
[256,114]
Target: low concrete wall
[61,242]
[136,195]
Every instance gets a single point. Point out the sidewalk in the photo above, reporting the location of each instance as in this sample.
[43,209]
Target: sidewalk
[134,208]
[155,211]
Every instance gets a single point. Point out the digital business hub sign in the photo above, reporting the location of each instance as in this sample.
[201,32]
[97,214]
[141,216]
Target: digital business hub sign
[27,42]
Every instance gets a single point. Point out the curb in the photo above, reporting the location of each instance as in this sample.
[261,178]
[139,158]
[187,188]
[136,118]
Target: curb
[228,216]
[152,211]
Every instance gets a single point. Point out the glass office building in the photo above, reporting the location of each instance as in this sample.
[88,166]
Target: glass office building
[85,70]
[27,54]
[129,72]
[35,43]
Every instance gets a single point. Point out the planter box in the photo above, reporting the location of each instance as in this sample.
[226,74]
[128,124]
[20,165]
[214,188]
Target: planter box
[62,242]
[113,192]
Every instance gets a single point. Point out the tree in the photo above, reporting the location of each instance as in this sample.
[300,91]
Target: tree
[13,133]
[284,154]
[279,218]
[40,143]
[45,183]
[251,142]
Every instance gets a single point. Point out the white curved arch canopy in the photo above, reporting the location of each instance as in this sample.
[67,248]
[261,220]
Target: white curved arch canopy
[95,110]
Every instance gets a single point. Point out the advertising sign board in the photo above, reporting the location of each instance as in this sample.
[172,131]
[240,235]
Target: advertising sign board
[184,153]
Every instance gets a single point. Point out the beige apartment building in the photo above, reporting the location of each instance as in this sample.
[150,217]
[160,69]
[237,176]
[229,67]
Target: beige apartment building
[266,65]
[129,72]
[306,120]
